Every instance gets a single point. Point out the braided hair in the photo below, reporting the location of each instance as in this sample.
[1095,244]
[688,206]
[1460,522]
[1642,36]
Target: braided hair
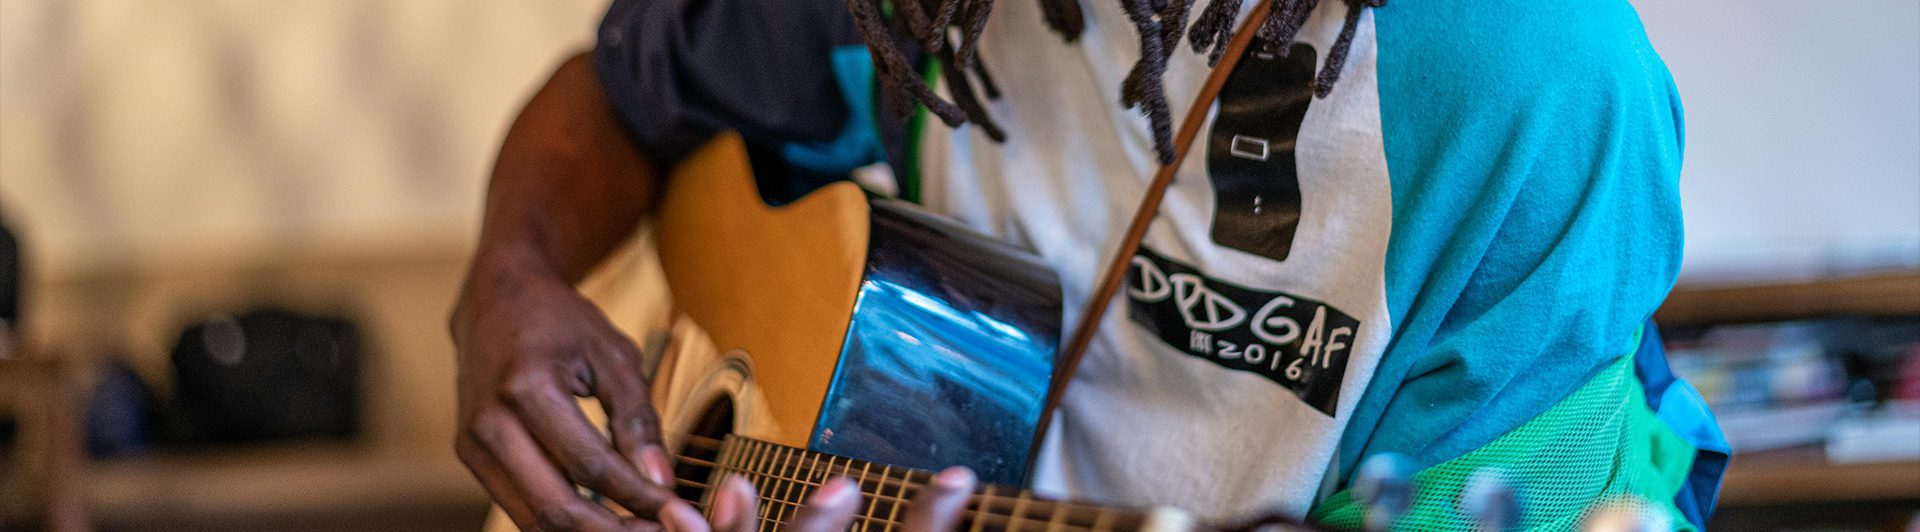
[887,25]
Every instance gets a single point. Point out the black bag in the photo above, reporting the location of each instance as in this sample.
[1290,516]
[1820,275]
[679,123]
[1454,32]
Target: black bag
[269,374]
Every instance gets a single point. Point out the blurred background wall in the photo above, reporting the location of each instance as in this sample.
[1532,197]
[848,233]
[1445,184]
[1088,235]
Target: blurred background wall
[243,148]
[156,135]
[164,161]
[1803,135]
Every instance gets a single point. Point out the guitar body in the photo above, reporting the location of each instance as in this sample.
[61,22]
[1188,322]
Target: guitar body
[856,327]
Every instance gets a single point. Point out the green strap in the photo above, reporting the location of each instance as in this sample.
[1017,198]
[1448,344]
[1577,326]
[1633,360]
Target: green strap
[910,180]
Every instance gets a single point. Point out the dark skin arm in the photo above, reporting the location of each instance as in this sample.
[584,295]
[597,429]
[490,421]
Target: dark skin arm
[568,187]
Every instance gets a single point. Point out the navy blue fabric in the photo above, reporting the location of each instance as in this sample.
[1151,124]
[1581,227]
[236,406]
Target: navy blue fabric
[679,71]
[1684,411]
[859,141]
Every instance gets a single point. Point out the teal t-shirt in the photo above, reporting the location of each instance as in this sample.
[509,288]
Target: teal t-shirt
[1534,153]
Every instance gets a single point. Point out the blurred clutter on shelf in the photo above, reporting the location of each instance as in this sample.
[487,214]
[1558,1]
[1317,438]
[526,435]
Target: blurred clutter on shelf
[1814,386]
[1849,386]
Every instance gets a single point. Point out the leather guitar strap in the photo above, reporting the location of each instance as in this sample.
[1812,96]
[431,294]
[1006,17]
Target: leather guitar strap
[1116,273]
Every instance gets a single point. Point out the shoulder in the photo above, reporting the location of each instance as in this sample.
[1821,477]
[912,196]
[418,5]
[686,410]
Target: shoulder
[677,71]
[1488,79]
[1521,44]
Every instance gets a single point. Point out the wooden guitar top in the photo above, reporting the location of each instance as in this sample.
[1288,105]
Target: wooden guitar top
[805,259]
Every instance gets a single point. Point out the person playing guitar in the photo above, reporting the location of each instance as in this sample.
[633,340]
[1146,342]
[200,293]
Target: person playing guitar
[1427,230]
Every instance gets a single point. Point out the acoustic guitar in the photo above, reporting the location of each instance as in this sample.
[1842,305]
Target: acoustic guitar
[848,335]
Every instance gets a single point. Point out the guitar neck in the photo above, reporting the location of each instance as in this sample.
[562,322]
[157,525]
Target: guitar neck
[786,476]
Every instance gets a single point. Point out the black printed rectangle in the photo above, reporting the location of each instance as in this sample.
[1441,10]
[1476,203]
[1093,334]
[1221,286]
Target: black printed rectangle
[1296,342]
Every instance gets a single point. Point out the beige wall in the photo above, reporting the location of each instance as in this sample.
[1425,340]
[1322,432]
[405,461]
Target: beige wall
[1803,135]
[163,160]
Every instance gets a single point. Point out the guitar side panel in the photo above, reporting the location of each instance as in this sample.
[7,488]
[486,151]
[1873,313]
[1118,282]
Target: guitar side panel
[949,354]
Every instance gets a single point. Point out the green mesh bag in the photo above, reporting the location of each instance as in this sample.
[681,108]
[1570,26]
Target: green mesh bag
[1600,448]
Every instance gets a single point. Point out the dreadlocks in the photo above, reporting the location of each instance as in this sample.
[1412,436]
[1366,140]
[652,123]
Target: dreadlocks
[886,25]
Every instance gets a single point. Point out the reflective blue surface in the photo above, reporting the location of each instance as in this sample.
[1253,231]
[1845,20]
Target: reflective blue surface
[949,352]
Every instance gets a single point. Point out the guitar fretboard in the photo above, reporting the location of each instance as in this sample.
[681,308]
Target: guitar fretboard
[786,475]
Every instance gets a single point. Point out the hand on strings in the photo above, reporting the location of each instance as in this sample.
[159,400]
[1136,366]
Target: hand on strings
[834,506]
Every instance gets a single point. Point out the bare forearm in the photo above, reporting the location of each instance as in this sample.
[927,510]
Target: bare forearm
[568,186]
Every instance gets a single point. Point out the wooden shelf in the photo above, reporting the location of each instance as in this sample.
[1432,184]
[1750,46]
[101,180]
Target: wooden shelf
[1799,477]
[1804,476]
[275,479]
[38,481]
[1873,296]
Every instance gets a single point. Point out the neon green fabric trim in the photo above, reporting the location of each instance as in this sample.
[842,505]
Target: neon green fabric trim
[1600,445]
[910,183]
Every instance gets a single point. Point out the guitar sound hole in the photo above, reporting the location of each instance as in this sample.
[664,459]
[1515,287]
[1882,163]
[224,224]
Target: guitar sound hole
[701,448]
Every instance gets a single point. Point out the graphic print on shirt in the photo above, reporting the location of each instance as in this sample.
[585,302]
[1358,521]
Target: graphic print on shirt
[1297,342]
[1250,150]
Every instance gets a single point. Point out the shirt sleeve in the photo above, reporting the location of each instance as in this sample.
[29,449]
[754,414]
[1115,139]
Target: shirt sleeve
[1534,156]
[679,71]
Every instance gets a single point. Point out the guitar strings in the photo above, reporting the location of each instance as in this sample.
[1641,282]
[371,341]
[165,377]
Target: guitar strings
[775,509]
[878,486]
[973,502]
[988,520]
[1073,517]
[916,480]
[1070,516]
